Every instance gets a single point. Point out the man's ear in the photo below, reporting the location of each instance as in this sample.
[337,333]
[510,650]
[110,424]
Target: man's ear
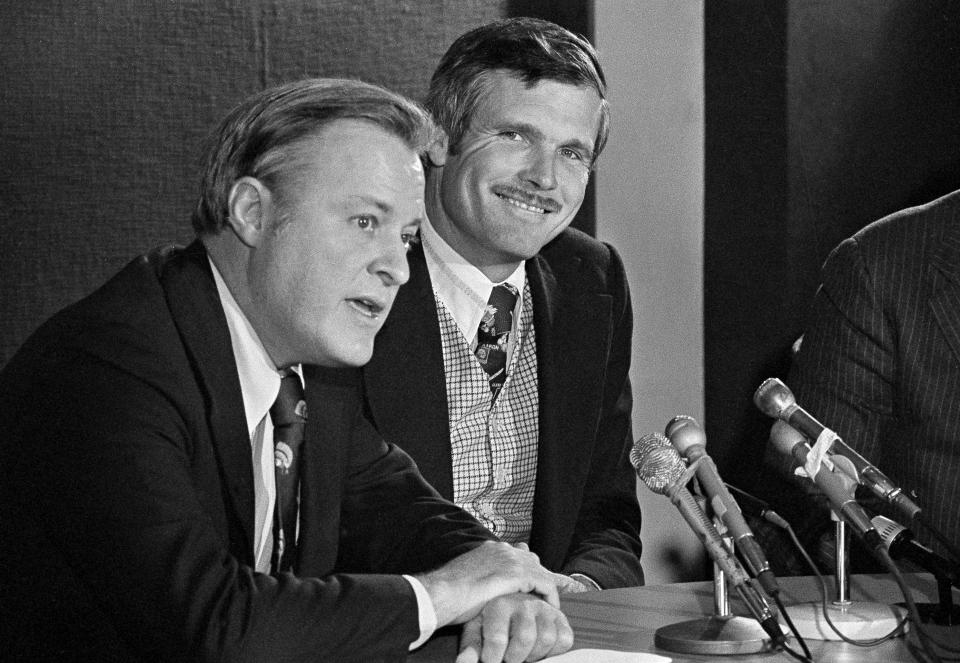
[249,205]
[437,152]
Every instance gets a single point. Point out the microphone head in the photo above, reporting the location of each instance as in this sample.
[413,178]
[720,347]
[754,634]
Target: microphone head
[772,397]
[644,446]
[684,432]
[890,531]
[678,422]
[656,461]
[785,438]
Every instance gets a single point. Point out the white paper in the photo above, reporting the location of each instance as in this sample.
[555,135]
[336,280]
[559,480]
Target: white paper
[607,656]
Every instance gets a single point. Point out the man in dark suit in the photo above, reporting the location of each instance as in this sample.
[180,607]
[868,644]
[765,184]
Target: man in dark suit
[880,361]
[142,515]
[503,369]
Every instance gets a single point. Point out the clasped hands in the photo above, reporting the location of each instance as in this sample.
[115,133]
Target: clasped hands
[507,602]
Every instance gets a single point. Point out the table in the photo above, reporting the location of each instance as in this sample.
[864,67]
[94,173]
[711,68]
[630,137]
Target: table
[626,619]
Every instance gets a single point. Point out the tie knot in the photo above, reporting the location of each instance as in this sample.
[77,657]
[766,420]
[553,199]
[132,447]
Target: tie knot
[289,408]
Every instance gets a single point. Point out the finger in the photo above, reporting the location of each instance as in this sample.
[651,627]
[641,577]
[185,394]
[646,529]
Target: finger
[496,631]
[524,629]
[547,627]
[470,642]
[564,639]
[522,546]
[547,589]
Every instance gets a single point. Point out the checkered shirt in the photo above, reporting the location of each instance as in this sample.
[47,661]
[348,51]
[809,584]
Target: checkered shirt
[494,449]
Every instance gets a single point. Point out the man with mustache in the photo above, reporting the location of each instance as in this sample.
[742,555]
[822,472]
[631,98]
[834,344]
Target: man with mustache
[503,369]
[188,474]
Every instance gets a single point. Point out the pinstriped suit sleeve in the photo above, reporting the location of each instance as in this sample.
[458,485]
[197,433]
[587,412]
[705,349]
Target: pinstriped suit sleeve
[845,373]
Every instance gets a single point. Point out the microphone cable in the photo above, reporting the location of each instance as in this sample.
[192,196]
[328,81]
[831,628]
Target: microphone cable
[947,543]
[763,508]
[806,657]
[926,642]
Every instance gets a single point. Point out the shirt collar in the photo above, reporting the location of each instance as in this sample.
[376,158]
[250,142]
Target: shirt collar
[259,378]
[461,286]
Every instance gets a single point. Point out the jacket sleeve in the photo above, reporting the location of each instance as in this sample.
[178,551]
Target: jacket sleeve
[845,371]
[845,375]
[606,544]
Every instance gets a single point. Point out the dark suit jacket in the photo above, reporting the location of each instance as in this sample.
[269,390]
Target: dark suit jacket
[880,362]
[128,499]
[585,514]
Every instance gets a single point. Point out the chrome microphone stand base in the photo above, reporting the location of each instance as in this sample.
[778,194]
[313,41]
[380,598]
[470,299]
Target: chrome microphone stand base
[719,634]
[858,620]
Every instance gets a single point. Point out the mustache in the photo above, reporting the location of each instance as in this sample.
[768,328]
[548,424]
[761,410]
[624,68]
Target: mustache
[528,198]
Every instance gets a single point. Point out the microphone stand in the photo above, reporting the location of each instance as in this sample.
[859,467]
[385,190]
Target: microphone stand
[721,633]
[858,620]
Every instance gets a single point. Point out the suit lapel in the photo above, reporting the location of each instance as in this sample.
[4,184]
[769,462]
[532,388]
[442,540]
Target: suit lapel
[945,295]
[572,342]
[330,395]
[198,313]
[405,381]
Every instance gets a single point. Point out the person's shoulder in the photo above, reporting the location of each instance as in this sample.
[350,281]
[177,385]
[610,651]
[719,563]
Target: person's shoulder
[129,313]
[897,250]
[917,228]
[573,246]
[582,263]
[135,292]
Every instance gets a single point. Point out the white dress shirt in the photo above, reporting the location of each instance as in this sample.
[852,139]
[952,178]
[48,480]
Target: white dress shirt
[259,385]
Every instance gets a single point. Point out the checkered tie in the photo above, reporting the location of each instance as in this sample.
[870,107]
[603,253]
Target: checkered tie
[493,334]
[289,416]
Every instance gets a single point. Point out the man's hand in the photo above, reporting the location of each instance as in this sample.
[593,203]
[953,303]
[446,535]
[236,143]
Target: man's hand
[514,628]
[462,586]
[566,584]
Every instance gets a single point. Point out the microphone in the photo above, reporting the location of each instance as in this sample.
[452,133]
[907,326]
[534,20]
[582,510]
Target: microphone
[661,469]
[776,400]
[759,508]
[688,438]
[832,480]
[900,543]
